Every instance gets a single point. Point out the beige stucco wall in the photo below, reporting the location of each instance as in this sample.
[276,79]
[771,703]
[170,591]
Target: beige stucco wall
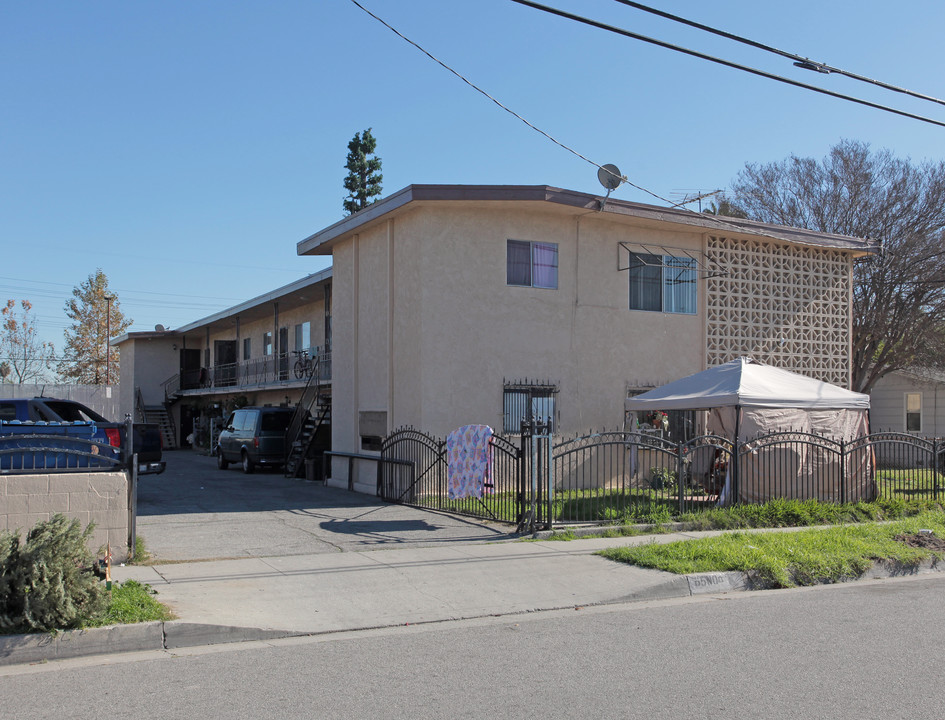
[100,498]
[155,360]
[422,303]
[146,362]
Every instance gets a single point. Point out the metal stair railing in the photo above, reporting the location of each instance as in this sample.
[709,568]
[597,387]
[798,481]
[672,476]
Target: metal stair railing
[311,395]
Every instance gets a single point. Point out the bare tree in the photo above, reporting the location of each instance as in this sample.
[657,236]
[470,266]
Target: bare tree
[898,295]
[25,356]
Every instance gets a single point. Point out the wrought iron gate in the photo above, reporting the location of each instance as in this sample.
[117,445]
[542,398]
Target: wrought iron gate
[423,482]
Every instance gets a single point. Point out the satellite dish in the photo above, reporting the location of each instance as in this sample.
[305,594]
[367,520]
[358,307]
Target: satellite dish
[610,177]
[160,328]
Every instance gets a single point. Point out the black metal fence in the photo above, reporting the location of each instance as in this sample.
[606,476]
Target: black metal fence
[609,477]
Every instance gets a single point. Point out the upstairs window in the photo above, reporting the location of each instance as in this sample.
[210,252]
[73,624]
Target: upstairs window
[532,264]
[247,348]
[267,343]
[662,283]
[303,336]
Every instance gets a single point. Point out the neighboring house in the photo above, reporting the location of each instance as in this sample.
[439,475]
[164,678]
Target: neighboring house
[910,401]
[449,305]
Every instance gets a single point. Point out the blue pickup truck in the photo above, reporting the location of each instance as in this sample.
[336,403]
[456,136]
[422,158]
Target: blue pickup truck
[51,416]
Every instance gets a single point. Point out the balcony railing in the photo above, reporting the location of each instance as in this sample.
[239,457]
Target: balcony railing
[256,372]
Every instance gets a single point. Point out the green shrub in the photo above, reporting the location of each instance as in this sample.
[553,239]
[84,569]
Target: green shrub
[48,580]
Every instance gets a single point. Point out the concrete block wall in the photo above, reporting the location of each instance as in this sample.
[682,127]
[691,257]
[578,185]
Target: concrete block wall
[99,497]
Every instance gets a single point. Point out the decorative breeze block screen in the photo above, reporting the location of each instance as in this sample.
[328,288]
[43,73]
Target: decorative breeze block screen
[787,306]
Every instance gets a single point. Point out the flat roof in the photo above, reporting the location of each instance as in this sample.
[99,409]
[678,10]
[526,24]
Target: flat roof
[321,242]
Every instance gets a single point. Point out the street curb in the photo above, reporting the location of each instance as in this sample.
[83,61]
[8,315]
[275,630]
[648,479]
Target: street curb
[43,647]
[178,634]
[723,582]
[139,637]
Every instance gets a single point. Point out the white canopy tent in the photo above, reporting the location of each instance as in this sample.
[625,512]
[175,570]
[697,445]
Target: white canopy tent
[746,399]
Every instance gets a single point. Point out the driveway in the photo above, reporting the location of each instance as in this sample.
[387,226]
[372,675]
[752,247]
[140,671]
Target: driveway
[194,511]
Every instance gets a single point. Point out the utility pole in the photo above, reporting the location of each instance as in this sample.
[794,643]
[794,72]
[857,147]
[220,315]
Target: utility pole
[108,331]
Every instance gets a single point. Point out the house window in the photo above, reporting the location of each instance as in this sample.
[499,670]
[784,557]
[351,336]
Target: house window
[532,264]
[303,336]
[267,343]
[529,401]
[913,412]
[662,283]
[247,348]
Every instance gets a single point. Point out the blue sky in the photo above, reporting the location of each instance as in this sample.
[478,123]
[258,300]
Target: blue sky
[186,147]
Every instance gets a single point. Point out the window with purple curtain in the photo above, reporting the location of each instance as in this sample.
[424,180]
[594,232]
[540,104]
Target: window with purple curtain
[532,264]
[544,265]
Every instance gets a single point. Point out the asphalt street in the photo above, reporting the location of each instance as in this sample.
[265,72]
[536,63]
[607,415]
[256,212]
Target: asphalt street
[863,650]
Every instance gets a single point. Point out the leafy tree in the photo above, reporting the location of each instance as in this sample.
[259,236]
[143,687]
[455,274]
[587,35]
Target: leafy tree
[97,318]
[899,294]
[363,181]
[25,356]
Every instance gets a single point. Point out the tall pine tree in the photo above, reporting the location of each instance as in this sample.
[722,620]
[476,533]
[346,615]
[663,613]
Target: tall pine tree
[363,181]
[96,319]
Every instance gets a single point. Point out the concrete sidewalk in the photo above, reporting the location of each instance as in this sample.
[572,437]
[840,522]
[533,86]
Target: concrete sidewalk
[352,590]
[260,598]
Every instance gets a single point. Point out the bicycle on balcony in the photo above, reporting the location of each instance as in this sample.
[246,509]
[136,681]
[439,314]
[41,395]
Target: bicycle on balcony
[304,364]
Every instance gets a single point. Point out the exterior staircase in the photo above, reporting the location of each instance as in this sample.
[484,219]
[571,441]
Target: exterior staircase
[306,434]
[313,428]
[159,415]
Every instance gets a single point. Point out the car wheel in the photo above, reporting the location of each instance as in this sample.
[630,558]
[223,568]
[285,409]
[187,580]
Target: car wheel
[248,464]
[222,462]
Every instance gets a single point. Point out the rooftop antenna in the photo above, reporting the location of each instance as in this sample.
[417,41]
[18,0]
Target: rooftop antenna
[609,176]
[691,197]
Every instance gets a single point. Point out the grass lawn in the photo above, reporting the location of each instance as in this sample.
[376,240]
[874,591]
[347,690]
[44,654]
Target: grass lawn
[132,602]
[787,559]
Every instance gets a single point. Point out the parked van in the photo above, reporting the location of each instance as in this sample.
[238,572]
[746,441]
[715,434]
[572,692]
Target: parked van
[254,436]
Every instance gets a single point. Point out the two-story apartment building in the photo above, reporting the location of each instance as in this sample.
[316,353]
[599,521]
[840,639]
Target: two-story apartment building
[249,353]
[449,305]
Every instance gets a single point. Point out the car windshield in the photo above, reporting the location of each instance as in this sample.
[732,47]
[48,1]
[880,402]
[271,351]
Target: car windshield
[275,422]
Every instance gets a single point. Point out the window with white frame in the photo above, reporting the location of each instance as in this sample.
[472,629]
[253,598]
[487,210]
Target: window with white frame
[663,283]
[267,343]
[913,412]
[532,264]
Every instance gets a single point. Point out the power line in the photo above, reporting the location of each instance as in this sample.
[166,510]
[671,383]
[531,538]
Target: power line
[504,107]
[799,60]
[706,216]
[141,292]
[720,61]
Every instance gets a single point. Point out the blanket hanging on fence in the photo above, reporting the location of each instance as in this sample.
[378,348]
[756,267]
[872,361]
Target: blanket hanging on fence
[468,461]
